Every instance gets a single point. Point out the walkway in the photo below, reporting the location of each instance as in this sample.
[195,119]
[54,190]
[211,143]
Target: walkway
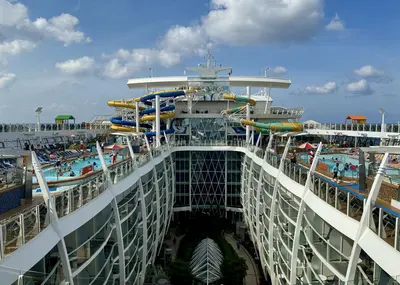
[252,276]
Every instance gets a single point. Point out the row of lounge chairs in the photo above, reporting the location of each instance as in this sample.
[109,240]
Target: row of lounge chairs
[46,156]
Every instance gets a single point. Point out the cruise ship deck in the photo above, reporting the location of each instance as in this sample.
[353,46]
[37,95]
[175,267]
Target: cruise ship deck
[219,152]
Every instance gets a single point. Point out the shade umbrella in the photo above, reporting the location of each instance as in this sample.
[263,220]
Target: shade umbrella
[52,156]
[113,147]
[306,146]
[71,135]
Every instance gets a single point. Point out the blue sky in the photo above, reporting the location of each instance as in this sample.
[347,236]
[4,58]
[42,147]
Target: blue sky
[71,56]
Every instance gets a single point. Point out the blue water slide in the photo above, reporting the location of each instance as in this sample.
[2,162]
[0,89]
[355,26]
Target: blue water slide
[171,130]
[153,134]
[119,121]
[153,110]
[145,99]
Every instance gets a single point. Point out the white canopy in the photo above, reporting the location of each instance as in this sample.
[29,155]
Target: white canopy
[206,261]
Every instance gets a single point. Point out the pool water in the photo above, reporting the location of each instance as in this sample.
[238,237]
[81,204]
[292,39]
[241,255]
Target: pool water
[50,173]
[329,159]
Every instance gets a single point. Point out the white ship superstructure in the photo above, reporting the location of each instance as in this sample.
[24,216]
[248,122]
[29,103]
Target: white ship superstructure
[109,226]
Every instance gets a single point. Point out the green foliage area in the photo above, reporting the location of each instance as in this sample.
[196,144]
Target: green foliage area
[233,268]
[179,273]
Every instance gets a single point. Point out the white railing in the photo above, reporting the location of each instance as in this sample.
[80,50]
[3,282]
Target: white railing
[22,227]
[391,128]
[13,128]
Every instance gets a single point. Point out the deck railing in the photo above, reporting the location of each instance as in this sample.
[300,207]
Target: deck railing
[19,229]
[12,128]
[390,128]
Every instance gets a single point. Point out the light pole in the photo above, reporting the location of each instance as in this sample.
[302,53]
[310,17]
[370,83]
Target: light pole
[38,111]
[383,128]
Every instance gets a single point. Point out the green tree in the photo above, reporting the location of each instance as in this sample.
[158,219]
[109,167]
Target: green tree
[233,270]
[179,273]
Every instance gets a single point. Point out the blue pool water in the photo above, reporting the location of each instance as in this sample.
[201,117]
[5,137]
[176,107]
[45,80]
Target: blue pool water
[329,159]
[50,173]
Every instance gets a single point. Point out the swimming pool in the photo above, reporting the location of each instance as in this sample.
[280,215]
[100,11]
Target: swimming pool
[50,173]
[342,159]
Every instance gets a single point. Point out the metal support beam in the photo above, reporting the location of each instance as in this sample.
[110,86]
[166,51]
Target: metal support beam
[137,116]
[158,131]
[248,90]
[273,210]
[114,205]
[364,221]
[300,214]
[52,211]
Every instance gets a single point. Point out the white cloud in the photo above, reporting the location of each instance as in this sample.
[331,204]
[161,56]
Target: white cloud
[279,70]
[327,88]
[368,71]
[79,66]
[262,21]
[336,24]
[15,24]
[7,80]
[230,22]
[361,87]
[372,74]
[125,62]
[13,48]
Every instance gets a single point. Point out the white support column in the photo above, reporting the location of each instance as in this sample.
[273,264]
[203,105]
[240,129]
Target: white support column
[146,140]
[144,217]
[52,212]
[273,210]
[250,179]
[144,226]
[259,189]
[383,127]
[249,183]
[173,181]
[364,221]
[137,116]
[158,131]
[190,180]
[158,212]
[114,204]
[226,184]
[167,202]
[300,214]
[248,90]
[189,103]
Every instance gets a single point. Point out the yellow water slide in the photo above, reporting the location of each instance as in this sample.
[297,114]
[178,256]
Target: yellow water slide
[124,104]
[276,126]
[242,99]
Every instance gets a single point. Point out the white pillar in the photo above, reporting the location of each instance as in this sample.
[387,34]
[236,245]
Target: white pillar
[248,114]
[273,211]
[137,116]
[364,221]
[383,127]
[52,211]
[38,121]
[117,218]
[144,218]
[190,103]
[171,213]
[258,214]
[158,131]
[300,214]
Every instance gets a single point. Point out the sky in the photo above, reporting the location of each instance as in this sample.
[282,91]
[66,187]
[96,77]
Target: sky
[72,56]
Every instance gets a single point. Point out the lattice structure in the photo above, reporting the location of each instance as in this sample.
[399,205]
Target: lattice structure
[208,129]
[208,178]
[206,261]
